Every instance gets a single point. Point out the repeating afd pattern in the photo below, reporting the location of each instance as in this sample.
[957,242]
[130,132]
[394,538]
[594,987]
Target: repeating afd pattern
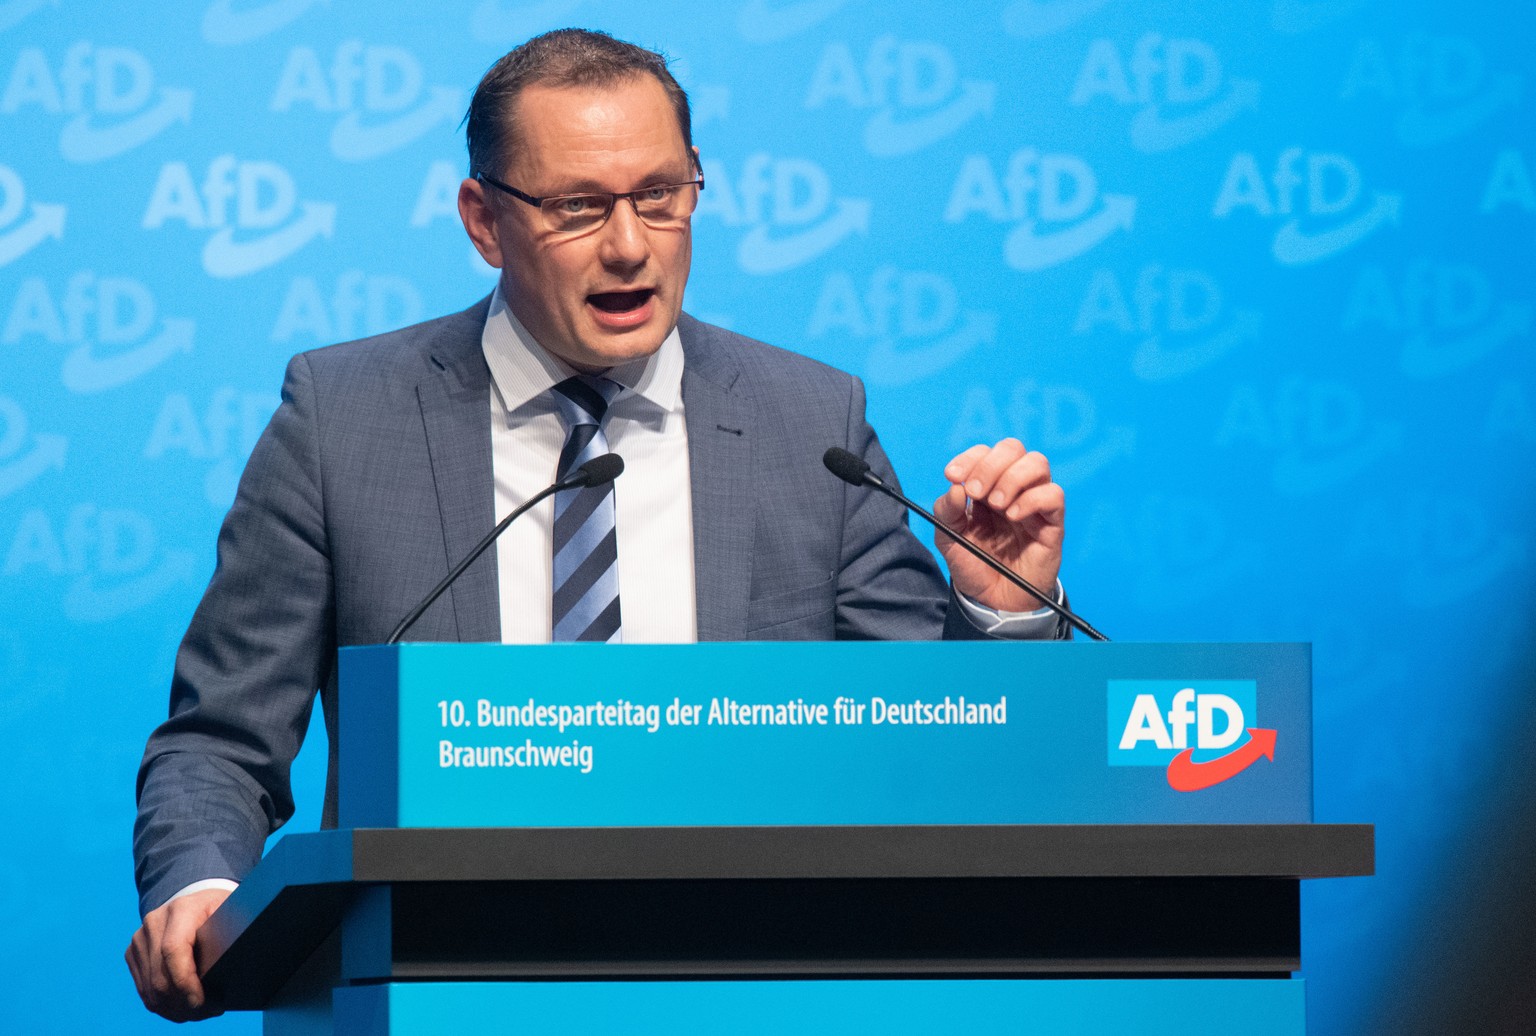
[1256,277]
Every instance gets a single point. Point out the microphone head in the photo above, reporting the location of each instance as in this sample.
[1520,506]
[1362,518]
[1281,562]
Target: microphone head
[849,467]
[601,470]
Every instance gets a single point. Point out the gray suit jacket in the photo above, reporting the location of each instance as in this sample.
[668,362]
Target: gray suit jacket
[374,477]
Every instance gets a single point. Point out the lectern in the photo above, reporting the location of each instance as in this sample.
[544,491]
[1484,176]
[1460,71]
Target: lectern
[821,837]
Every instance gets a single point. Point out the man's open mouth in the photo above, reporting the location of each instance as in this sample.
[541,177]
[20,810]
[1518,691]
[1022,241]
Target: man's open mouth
[621,301]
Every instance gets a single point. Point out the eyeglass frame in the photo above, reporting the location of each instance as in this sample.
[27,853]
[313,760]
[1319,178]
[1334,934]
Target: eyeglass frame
[612,196]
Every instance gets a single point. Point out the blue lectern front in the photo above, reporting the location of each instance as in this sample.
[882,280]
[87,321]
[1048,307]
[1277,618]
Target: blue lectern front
[747,837]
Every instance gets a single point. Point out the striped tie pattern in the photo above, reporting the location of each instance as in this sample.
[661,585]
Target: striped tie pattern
[586,553]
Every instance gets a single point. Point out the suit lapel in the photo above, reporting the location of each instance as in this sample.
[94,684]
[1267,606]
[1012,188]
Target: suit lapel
[720,460]
[455,411]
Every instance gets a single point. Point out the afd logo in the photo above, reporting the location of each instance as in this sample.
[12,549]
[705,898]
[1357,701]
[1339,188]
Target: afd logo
[122,109]
[1447,312]
[21,229]
[379,92]
[1437,549]
[24,457]
[1200,731]
[789,205]
[109,323]
[356,306]
[1171,550]
[229,23]
[1053,201]
[1179,315]
[1321,432]
[111,555]
[1336,216]
[1509,183]
[916,96]
[1032,19]
[1061,421]
[773,21]
[265,200]
[1177,85]
[223,431]
[1440,86]
[911,320]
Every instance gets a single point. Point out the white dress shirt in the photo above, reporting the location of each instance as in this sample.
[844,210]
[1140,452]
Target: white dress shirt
[653,499]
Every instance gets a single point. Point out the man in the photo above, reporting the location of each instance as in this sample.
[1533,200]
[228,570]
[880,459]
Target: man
[389,458]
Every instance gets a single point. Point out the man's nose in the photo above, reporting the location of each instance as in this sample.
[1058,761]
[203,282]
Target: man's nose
[625,237]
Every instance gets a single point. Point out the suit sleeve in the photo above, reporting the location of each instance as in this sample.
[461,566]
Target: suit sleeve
[214,782]
[890,587]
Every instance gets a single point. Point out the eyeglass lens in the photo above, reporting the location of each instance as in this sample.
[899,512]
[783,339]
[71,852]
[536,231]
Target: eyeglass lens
[656,206]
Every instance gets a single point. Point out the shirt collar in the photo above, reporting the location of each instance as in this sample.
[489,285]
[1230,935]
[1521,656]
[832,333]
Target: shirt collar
[524,371]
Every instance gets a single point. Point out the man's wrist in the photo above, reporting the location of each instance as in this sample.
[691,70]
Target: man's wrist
[1012,625]
[225,884]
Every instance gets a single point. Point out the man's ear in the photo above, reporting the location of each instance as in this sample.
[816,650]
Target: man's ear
[478,213]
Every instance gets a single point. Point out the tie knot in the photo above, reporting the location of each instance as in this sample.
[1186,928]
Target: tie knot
[585,398]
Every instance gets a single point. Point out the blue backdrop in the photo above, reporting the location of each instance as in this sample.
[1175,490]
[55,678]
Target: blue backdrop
[1257,277]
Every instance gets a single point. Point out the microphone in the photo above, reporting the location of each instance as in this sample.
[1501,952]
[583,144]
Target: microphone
[854,470]
[598,471]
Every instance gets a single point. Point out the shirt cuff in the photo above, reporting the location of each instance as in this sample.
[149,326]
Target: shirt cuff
[1034,625]
[207,883]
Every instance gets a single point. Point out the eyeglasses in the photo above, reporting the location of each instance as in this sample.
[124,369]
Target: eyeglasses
[660,205]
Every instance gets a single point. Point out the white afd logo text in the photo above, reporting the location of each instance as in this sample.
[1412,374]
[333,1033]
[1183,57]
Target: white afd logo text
[1146,722]
[1330,202]
[265,199]
[109,321]
[1178,85]
[789,206]
[120,111]
[1179,314]
[913,86]
[384,82]
[911,319]
[1054,200]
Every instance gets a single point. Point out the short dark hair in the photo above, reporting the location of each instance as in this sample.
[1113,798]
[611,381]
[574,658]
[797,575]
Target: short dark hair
[562,58]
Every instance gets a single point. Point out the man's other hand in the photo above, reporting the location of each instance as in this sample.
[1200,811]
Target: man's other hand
[160,957]
[1017,513]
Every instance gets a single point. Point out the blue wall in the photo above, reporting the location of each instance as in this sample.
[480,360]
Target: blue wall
[1257,277]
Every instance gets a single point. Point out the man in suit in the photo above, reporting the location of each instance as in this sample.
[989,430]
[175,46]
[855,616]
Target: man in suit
[390,457]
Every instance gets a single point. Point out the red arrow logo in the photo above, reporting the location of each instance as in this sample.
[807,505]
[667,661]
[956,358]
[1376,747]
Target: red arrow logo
[1186,775]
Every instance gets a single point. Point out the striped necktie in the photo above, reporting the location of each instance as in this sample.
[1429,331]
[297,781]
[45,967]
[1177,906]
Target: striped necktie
[586,553]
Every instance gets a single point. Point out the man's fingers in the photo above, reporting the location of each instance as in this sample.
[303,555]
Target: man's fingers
[950,508]
[162,961]
[959,469]
[1026,473]
[180,964]
[982,478]
[1047,503]
[154,981]
[133,956]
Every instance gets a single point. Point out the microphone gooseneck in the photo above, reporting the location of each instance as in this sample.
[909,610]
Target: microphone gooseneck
[855,470]
[595,472]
